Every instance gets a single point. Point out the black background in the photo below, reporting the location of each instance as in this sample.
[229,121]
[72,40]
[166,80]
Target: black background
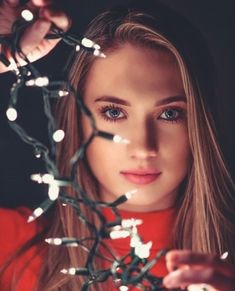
[215,20]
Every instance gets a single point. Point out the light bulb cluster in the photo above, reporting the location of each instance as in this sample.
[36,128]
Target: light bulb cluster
[137,271]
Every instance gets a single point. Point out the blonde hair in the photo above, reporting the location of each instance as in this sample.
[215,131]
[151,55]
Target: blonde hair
[205,206]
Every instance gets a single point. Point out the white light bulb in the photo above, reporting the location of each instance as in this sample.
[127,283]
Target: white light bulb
[77,48]
[11,114]
[115,234]
[27,15]
[143,250]
[53,191]
[99,54]
[36,178]
[97,47]
[30,83]
[135,241]
[224,256]
[57,241]
[131,222]
[123,288]
[130,193]
[87,42]
[118,139]
[36,213]
[54,241]
[39,82]
[58,135]
[38,155]
[70,271]
[47,178]
[63,93]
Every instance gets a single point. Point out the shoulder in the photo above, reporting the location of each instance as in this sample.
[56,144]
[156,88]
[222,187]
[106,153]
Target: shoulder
[15,233]
[15,230]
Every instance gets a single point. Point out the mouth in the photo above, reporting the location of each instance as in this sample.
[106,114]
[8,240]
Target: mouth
[140,177]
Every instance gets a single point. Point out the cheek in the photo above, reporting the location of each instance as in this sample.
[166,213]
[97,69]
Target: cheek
[101,155]
[175,148]
[86,126]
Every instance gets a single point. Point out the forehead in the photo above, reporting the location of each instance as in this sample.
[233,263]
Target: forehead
[134,67]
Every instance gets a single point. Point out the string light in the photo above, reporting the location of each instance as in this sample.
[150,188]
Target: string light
[131,222]
[77,48]
[134,268]
[37,153]
[123,288]
[38,82]
[70,271]
[42,178]
[36,213]
[45,205]
[63,93]
[143,250]
[224,256]
[129,194]
[116,234]
[58,135]
[88,42]
[53,191]
[11,114]
[27,15]
[118,139]
[72,242]
[98,53]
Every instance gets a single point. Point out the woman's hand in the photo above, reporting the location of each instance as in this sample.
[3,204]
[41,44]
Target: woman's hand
[32,42]
[198,272]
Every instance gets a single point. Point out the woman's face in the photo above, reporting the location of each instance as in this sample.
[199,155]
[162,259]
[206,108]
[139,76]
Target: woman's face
[138,94]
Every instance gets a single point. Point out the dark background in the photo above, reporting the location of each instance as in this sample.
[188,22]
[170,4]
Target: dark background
[215,20]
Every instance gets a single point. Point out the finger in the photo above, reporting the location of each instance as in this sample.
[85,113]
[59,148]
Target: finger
[59,19]
[176,258]
[184,277]
[41,3]
[11,3]
[33,35]
[186,257]
[34,6]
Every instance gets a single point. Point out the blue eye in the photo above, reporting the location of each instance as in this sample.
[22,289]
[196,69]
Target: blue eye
[171,114]
[112,113]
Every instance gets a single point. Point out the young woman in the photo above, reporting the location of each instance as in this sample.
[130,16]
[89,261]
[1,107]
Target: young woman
[156,89]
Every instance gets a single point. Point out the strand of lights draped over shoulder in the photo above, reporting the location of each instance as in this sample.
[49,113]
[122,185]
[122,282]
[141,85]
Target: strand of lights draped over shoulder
[134,269]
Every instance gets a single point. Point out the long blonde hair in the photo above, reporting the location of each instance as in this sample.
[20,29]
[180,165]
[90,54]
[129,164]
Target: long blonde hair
[206,205]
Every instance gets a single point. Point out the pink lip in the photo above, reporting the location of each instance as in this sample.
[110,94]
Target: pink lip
[141,177]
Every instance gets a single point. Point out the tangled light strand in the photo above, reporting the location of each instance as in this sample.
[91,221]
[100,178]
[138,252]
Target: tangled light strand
[133,269]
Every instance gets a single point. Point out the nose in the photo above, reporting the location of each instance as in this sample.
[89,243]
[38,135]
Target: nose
[143,141]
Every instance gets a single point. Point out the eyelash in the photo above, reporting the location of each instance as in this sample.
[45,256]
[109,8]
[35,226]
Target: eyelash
[103,111]
[180,111]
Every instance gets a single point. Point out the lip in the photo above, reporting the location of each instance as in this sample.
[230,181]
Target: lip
[140,177]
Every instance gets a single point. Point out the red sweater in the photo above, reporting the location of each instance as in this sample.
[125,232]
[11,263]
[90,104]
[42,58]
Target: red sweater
[15,232]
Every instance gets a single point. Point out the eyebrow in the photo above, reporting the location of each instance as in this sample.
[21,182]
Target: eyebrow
[171,99]
[113,99]
[163,101]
